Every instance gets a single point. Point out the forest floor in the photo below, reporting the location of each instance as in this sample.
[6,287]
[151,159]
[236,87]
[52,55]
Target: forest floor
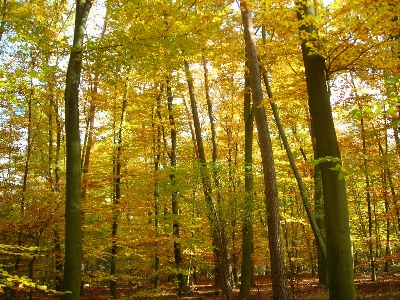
[387,287]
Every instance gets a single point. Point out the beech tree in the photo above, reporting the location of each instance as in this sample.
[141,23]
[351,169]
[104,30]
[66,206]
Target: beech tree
[73,226]
[338,244]
[354,57]
[271,193]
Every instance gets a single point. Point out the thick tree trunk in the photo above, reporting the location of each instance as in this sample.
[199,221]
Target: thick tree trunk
[320,219]
[338,244]
[271,193]
[73,226]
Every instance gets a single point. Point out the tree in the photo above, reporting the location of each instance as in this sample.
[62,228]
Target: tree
[247,230]
[216,223]
[182,279]
[338,244]
[73,226]
[271,193]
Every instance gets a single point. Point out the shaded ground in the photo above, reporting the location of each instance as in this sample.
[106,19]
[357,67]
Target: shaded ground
[387,287]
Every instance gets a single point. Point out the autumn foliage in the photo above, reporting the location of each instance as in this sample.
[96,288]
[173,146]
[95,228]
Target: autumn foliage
[133,51]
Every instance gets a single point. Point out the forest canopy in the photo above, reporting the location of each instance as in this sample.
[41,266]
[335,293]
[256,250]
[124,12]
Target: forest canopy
[163,175]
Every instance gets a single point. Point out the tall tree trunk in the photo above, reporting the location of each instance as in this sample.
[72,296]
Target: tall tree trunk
[22,200]
[73,225]
[247,230]
[117,195]
[53,173]
[50,140]
[217,227]
[368,197]
[57,244]
[157,156]
[386,176]
[338,244]
[300,183]
[271,193]
[214,160]
[182,280]
[85,169]
[319,209]
[320,219]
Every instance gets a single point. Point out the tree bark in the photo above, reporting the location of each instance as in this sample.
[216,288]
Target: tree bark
[73,226]
[247,230]
[271,193]
[338,243]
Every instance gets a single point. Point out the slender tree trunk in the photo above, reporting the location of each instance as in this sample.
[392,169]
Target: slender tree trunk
[386,176]
[300,183]
[214,168]
[30,139]
[216,224]
[368,198]
[388,251]
[73,225]
[233,206]
[271,193]
[50,137]
[117,196]
[85,171]
[387,207]
[22,199]
[338,243]
[157,156]
[57,244]
[182,280]
[53,174]
[247,230]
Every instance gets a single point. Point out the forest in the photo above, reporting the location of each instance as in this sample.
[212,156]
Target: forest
[148,147]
